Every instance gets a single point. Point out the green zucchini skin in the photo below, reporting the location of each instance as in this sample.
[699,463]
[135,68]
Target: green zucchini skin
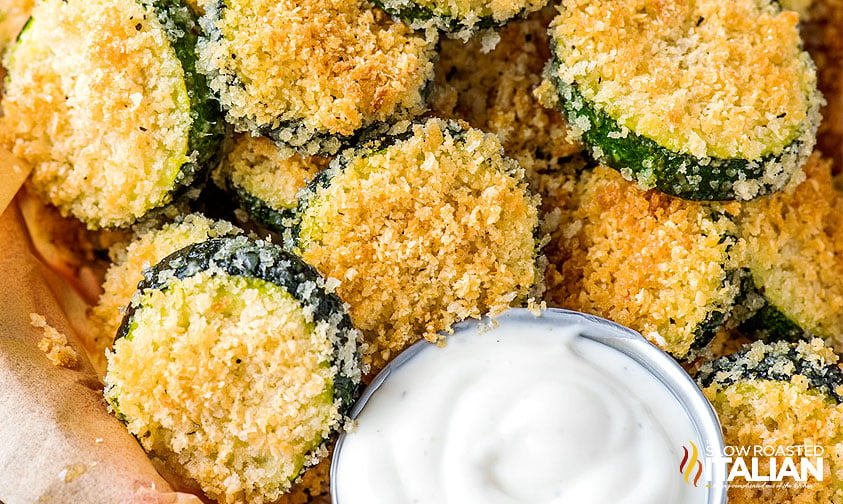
[208,128]
[825,379]
[325,143]
[764,320]
[706,330]
[241,256]
[414,14]
[682,175]
[275,220]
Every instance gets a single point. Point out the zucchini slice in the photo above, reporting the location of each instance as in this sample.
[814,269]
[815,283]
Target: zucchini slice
[794,254]
[312,74]
[778,361]
[459,18]
[264,179]
[423,228]
[117,122]
[234,364]
[658,264]
[710,100]
[778,396]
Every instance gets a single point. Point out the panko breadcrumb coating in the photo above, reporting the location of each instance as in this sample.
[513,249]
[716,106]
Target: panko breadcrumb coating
[493,91]
[147,249]
[235,364]
[711,100]
[54,343]
[107,120]
[688,74]
[777,395]
[794,250]
[421,233]
[652,262]
[265,178]
[218,381]
[309,72]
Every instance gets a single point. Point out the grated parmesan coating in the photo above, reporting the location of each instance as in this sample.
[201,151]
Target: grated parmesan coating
[713,78]
[272,174]
[781,413]
[225,378]
[104,121]
[311,69]
[422,233]
[13,15]
[493,91]
[657,264]
[122,277]
[794,250]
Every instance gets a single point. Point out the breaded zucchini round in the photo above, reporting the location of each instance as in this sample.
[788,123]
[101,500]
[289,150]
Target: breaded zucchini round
[794,253]
[234,364]
[312,73]
[116,122]
[707,100]
[263,179]
[652,262]
[458,17]
[148,248]
[423,229]
[781,395]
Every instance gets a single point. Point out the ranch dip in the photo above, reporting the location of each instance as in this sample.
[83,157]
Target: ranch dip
[527,411]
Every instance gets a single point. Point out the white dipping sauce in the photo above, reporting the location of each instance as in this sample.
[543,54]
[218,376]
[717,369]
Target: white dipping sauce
[523,413]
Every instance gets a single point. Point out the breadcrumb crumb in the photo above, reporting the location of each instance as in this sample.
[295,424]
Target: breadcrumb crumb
[54,343]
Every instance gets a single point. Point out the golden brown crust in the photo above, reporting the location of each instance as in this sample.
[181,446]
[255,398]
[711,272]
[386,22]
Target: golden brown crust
[428,232]
[268,172]
[780,414]
[646,260]
[707,78]
[333,65]
[794,247]
[122,278]
[105,121]
[239,398]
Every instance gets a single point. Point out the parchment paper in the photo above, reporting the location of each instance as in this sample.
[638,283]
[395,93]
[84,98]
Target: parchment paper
[57,441]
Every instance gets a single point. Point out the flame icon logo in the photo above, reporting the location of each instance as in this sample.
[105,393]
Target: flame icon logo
[691,464]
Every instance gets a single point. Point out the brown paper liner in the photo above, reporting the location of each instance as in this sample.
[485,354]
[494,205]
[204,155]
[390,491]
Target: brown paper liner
[58,443]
